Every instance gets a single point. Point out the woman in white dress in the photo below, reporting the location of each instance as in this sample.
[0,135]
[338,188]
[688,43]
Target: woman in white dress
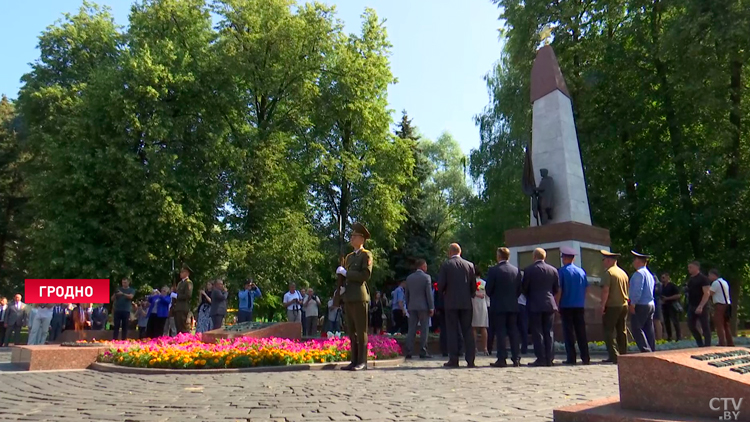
[480,320]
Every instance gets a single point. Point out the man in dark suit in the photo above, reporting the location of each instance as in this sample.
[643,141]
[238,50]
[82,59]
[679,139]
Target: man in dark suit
[59,317]
[503,288]
[541,283]
[16,317]
[3,313]
[457,283]
[218,310]
[420,304]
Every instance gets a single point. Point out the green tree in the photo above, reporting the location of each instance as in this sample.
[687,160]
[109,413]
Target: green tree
[358,166]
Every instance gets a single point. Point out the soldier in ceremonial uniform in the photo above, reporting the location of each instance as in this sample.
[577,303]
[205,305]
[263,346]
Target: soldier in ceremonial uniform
[356,296]
[181,304]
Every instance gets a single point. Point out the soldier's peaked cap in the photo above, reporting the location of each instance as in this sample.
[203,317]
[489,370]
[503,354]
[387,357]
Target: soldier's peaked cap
[567,251]
[360,229]
[640,255]
[609,254]
[187,268]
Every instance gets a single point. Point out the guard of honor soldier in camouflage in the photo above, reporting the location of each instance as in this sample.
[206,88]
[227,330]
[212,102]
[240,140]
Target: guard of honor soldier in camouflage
[356,296]
[181,305]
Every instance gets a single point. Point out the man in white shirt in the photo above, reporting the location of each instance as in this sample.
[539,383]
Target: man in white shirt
[310,305]
[293,304]
[722,307]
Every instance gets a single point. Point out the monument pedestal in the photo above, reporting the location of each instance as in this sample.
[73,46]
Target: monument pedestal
[586,240]
[700,384]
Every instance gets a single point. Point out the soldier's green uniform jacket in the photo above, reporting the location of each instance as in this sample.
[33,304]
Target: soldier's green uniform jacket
[358,266]
[184,293]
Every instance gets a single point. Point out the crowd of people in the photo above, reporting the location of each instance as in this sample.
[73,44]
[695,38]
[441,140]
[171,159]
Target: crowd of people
[474,315]
[471,314]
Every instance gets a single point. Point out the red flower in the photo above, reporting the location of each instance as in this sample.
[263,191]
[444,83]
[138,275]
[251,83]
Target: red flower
[479,283]
[434,286]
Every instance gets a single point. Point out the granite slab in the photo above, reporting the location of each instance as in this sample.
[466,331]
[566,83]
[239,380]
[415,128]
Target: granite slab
[54,357]
[674,382]
[609,410]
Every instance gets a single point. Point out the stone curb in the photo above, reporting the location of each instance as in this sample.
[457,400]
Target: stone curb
[108,367]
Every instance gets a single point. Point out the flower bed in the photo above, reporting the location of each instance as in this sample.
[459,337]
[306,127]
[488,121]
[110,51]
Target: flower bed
[186,351]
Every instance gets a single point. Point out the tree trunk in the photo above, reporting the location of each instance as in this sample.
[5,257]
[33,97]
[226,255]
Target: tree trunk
[675,134]
[733,172]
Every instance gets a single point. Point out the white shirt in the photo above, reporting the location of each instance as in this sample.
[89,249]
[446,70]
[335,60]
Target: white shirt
[311,309]
[173,296]
[288,296]
[522,300]
[719,288]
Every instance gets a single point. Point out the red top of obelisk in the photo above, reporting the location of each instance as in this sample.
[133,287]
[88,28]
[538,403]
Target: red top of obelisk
[546,76]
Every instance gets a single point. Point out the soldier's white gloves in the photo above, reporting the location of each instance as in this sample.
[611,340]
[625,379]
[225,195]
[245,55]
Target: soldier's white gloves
[341,270]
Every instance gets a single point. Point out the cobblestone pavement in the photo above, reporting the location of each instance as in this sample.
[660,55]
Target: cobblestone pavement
[419,390]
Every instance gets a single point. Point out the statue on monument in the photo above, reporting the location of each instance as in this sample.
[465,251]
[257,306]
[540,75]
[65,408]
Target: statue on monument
[542,196]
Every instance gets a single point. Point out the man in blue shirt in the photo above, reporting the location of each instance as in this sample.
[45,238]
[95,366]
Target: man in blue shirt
[572,297]
[642,304]
[247,300]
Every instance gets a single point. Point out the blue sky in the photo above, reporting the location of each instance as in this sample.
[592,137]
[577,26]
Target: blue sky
[441,51]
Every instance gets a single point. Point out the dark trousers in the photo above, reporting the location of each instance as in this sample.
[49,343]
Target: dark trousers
[444,334]
[244,315]
[217,321]
[121,320]
[356,314]
[15,332]
[490,332]
[2,333]
[671,318]
[55,329]
[400,322]
[141,332]
[642,327]
[523,328]
[155,326]
[542,335]
[181,323]
[614,331]
[574,331]
[506,325]
[694,319]
[459,321]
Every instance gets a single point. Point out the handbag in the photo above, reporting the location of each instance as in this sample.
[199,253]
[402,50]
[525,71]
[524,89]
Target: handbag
[677,307]
[728,309]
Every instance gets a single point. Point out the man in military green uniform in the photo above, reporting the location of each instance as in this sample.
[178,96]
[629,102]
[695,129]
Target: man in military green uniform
[356,296]
[181,304]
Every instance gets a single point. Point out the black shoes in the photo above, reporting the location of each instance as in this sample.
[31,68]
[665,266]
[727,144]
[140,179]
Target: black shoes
[517,363]
[537,363]
[499,364]
[360,367]
[451,364]
[425,356]
[348,367]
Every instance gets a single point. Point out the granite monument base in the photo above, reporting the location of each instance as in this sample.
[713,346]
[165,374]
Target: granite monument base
[587,241]
[54,357]
[682,385]
[288,330]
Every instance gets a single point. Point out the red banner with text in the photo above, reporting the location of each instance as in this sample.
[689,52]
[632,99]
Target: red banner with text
[67,291]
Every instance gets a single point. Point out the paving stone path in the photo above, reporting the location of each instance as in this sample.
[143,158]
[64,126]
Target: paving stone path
[418,391]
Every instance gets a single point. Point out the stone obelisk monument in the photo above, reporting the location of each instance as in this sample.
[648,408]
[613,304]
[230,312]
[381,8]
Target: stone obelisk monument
[554,179]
